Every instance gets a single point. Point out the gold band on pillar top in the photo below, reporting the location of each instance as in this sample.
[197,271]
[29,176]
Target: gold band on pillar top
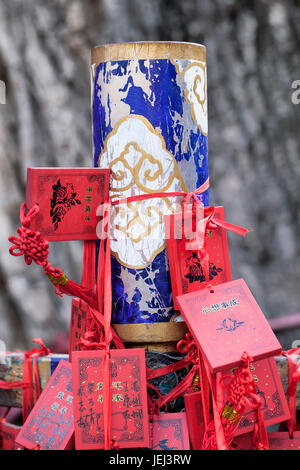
[148,50]
[161,332]
[167,347]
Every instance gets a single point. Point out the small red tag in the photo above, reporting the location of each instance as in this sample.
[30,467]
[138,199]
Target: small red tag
[186,268]
[195,419]
[129,412]
[226,321]
[68,199]
[169,431]
[274,406]
[50,424]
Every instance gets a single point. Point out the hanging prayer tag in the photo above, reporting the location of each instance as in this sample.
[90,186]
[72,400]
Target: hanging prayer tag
[197,250]
[169,431]
[274,406]
[226,321]
[50,425]
[128,419]
[195,419]
[68,199]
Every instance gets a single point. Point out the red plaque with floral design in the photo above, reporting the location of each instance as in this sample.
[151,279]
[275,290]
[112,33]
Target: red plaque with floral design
[226,321]
[274,406]
[68,199]
[129,412]
[169,431]
[50,425]
[185,265]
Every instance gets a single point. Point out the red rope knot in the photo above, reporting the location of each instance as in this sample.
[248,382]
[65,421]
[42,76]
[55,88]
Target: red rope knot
[197,192]
[195,199]
[30,244]
[241,390]
[188,346]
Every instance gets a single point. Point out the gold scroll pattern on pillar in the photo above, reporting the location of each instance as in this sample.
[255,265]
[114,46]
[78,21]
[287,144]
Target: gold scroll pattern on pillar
[140,164]
[194,77]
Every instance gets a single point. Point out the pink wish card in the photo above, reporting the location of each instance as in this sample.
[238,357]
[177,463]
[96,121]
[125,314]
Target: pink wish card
[50,425]
[226,321]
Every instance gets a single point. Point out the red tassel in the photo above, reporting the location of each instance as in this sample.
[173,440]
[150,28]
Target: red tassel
[77,290]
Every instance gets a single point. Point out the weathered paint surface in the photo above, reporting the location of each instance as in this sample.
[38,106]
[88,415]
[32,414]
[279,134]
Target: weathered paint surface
[150,129]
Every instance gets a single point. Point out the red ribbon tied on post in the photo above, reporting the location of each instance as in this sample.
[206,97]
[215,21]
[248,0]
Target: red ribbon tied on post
[241,390]
[188,346]
[206,221]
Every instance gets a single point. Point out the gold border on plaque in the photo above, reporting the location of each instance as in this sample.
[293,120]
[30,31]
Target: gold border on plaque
[148,50]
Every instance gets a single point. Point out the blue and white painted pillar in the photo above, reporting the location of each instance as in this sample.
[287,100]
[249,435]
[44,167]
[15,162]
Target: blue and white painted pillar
[149,112]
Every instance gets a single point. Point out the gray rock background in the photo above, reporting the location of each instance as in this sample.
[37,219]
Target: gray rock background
[253,58]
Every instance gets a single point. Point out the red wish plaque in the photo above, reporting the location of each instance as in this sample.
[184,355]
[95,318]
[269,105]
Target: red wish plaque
[169,431]
[50,425]
[129,412]
[185,266]
[226,321]
[68,199]
[274,406]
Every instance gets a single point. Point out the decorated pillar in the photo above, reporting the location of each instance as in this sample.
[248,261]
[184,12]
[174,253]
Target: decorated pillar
[149,113]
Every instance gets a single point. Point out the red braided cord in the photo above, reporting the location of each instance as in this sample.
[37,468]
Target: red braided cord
[31,244]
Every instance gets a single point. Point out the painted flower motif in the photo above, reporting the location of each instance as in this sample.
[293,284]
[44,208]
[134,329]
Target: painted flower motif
[63,198]
[195,271]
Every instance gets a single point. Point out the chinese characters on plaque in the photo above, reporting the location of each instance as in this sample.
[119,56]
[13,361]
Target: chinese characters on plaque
[129,412]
